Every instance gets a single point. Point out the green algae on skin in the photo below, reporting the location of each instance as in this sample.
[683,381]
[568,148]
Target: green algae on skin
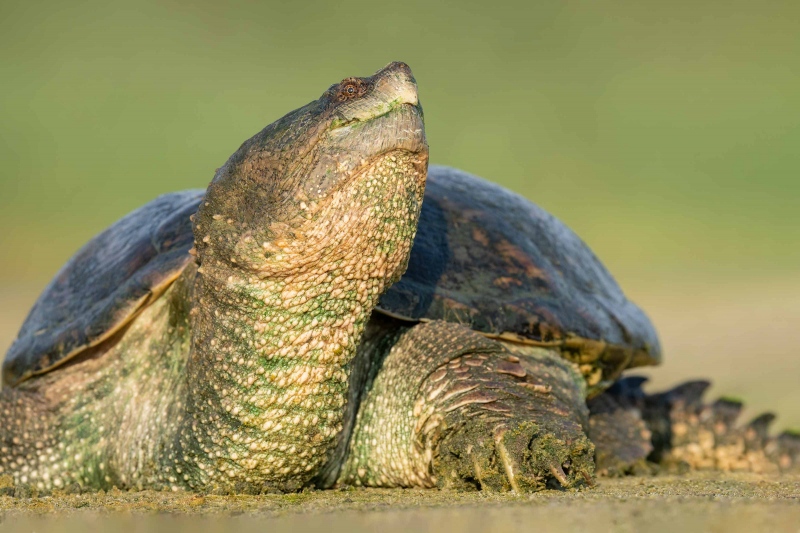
[294,377]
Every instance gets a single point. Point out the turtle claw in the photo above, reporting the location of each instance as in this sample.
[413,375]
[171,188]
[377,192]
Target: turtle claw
[559,474]
[563,456]
[523,458]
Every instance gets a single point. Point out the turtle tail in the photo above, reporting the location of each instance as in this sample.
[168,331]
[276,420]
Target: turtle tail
[687,433]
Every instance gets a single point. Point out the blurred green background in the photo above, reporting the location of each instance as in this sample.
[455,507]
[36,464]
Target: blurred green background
[665,133]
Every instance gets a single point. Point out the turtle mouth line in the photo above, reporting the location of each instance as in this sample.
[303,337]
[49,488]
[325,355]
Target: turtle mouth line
[407,136]
[341,122]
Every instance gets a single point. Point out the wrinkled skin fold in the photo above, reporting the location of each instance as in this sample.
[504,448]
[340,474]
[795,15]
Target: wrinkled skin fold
[445,406]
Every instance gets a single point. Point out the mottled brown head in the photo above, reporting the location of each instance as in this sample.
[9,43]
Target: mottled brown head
[272,206]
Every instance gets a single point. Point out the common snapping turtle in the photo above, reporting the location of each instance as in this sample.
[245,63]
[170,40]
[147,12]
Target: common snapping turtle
[256,366]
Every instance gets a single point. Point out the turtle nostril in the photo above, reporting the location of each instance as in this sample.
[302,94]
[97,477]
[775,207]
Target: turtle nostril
[400,65]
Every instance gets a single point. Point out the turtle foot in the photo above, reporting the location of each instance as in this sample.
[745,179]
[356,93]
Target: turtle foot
[452,408]
[525,434]
[621,438]
[522,457]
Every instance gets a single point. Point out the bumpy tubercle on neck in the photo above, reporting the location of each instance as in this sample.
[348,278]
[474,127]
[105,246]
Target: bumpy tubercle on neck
[267,375]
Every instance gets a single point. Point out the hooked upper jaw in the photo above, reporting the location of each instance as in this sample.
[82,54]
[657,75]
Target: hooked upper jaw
[385,91]
[305,156]
[370,119]
[396,80]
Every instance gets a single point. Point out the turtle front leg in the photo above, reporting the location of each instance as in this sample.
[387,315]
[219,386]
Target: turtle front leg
[447,407]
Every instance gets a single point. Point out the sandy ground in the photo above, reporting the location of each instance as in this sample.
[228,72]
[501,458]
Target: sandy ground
[696,502]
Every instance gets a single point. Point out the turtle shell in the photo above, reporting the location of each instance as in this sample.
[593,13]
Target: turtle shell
[492,260]
[103,286]
[483,257]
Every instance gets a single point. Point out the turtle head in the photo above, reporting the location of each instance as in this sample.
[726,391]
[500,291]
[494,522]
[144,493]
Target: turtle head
[334,175]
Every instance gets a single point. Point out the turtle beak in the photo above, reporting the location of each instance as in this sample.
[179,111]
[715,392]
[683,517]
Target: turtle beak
[397,82]
[394,88]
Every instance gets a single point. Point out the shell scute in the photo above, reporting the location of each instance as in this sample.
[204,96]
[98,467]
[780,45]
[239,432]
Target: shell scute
[105,284]
[497,263]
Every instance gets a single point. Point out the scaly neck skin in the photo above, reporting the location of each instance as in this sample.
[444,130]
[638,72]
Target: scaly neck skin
[267,375]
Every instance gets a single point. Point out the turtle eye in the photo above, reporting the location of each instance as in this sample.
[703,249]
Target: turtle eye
[351,88]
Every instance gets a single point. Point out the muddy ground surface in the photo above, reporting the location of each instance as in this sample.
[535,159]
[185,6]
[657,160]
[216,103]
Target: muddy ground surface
[697,502]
